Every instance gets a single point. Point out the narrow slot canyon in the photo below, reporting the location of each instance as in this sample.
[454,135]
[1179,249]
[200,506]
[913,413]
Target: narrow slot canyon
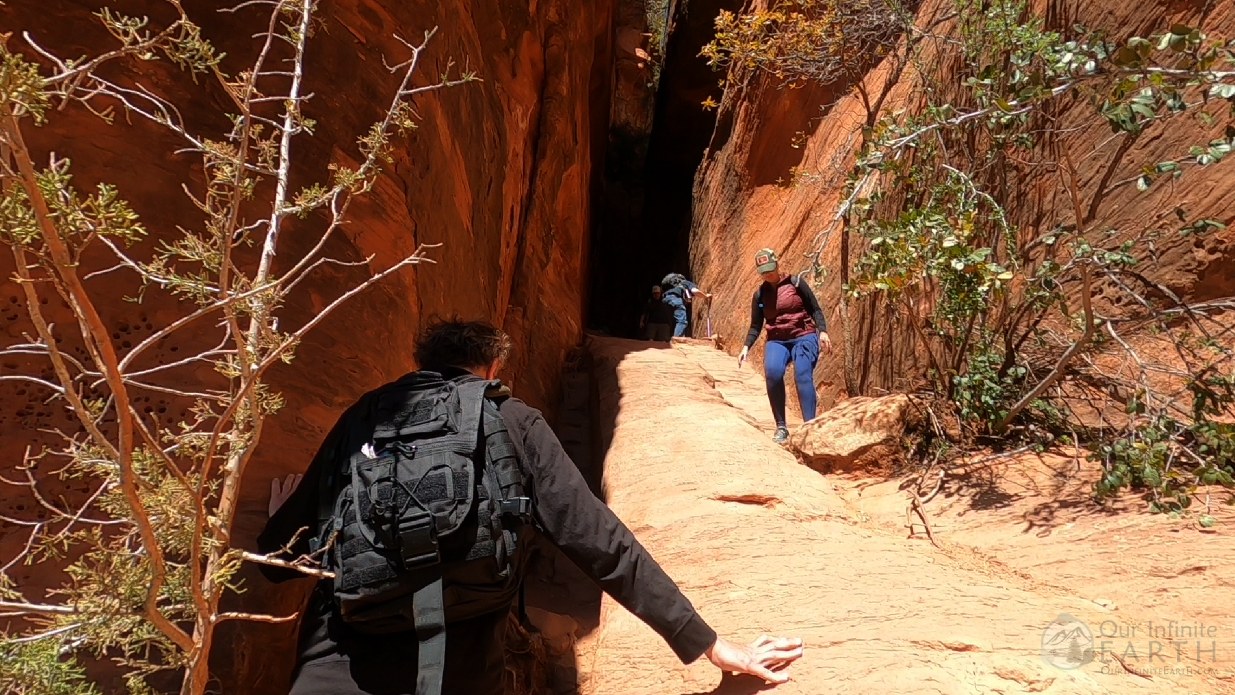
[642,213]
[552,194]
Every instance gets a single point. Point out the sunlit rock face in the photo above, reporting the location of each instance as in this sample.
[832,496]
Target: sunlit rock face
[498,173]
[766,134]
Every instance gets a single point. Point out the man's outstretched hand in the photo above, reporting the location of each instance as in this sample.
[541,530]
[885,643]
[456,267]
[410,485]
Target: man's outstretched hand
[280,490]
[766,657]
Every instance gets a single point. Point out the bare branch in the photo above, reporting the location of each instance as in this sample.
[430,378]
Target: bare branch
[255,617]
[44,635]
[275,562]
[145,274]
[199,357]
[35,380]
[24,608]
[250,3]
[35,529]
[94,331]
[1061,366]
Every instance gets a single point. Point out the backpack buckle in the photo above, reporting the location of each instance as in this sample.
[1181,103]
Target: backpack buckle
[418,542]
[515,506]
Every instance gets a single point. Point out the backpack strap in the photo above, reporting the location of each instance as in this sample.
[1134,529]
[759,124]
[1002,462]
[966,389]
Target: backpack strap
[359,430]
[507,471]
[479,418]
[767,301]
[429,616]
[428,605]
[503,459]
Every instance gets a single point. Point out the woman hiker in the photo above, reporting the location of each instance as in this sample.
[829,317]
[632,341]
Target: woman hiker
[796,329]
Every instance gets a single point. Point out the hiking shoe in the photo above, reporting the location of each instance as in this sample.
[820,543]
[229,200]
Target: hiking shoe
[782,434]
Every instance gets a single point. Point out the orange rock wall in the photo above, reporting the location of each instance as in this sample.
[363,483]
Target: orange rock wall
[743,203]
[499,172]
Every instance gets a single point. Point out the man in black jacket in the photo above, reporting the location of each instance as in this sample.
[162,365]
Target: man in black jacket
[336,660]
[656,323]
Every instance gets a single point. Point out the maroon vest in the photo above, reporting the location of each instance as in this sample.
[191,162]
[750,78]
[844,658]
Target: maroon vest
[784,312]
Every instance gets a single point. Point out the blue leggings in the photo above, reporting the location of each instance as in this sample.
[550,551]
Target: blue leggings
[804,352]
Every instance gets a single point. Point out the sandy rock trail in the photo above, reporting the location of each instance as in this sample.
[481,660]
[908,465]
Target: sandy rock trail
[762,544]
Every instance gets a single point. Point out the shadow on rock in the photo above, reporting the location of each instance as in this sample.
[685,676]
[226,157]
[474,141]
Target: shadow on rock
[738,685]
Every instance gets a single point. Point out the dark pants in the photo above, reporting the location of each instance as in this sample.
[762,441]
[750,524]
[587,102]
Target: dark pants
[804,353]
[657,331]
[341,662]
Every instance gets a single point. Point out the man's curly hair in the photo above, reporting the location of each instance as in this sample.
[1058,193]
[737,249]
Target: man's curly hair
[464,344]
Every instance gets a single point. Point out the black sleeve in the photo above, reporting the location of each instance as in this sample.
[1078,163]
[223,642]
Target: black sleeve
[298,515]
[812,305]
[592,536]
[756,320]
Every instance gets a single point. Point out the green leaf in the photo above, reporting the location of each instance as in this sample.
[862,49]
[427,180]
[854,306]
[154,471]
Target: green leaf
[1206,521]
[1151,476]
[958,264]
[1163,167]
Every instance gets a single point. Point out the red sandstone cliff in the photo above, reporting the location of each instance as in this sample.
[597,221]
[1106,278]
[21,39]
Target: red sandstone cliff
[499,173]
[742,202]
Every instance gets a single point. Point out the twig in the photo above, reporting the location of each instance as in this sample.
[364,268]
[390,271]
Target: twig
[915,505]
[1088,316]
[43,635]
[96,332]
[255,617]
[275,562]
[35,380]
[1128,668]
[43,608]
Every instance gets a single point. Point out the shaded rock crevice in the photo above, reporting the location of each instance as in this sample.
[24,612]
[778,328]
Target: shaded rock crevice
[645,205]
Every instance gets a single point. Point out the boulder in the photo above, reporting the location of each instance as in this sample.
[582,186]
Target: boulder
[861,433]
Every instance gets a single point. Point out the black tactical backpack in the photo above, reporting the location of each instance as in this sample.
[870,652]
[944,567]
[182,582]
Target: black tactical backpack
[425,519]
[672,281]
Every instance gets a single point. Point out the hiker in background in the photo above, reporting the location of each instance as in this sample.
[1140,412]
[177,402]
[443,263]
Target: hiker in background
[656,323]
[458,556]
[796,331]
[678,293]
